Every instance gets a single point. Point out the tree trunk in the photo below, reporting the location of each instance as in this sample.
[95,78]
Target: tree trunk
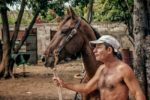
[147,51]
[128,21]
[7,63]
[147,62]
[140,23]
[90,11]
[4,67]
[148,11]
[27,31]
[17,23]
[15,34]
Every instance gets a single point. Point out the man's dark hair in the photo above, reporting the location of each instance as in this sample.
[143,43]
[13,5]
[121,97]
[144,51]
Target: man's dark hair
[117,54]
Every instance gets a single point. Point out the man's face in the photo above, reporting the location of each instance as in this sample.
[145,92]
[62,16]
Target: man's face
[100,52]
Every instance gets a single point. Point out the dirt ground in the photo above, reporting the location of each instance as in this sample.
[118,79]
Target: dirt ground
[37,83]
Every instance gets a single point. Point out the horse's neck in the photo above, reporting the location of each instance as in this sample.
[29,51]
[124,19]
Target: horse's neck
[90,63]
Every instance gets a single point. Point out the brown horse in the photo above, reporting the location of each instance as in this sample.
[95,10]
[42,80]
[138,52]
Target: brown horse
[68,57]
[73,36]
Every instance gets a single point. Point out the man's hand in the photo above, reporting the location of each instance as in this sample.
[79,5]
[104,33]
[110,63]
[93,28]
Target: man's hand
[57,81]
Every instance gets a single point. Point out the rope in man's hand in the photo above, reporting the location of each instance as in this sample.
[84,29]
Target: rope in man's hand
[55,74]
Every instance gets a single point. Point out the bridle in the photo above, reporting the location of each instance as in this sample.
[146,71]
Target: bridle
[69,37]
[57,51]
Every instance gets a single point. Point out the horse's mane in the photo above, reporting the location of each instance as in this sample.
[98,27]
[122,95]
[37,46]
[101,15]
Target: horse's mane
[97,34]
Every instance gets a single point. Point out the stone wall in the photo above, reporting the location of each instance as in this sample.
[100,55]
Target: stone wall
[118,30]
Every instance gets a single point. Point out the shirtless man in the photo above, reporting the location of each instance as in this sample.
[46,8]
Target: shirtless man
[114,78]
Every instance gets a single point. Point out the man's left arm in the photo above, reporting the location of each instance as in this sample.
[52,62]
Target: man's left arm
[133,84]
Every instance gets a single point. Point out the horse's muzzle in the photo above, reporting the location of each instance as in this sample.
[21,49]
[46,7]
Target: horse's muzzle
[48,61]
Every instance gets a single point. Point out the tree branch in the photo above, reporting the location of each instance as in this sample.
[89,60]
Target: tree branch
[17,24]
[27,31]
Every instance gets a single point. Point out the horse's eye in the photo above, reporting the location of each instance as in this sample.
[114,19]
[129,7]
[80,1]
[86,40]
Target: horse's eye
[64,31]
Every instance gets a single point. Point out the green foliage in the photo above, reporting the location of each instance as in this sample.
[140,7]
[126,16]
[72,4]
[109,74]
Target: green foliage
[80,2]
[11,20]
[48,18]
[79,10]
[80,7]
[12,15]
[104,10]
[112,10]
[27,17]
[57,6]
[5,3]
[42,5]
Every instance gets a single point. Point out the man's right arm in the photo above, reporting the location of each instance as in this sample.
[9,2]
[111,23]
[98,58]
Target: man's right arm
[82,88]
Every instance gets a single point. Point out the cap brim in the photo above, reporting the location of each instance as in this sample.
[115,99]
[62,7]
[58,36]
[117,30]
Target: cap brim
[96,42]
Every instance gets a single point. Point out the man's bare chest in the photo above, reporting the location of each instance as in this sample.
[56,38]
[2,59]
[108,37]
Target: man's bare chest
[110,79]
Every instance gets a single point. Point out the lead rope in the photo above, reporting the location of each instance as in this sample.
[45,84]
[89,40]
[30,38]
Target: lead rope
[56,75]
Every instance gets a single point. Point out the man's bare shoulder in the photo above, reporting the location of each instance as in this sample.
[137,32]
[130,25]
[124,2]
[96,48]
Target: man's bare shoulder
[125,69]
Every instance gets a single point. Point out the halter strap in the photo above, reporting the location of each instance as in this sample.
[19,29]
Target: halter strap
[69,37]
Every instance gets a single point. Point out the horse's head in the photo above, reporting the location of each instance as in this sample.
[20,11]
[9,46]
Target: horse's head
[68,40]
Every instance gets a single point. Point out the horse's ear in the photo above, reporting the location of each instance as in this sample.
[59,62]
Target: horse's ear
[70,12]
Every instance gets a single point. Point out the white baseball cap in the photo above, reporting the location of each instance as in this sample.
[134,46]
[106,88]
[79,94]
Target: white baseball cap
[108,39]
